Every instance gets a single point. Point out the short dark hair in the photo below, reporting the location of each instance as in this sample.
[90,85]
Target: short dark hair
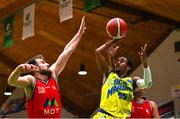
[33,62]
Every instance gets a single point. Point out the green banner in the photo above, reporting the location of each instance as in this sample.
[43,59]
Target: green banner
[8,40]
[91,4]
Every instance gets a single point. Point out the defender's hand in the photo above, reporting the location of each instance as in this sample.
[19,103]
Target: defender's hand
[82,26]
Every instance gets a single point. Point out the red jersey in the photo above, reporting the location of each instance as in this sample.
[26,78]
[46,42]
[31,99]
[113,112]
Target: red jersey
[141,109]
[46,100]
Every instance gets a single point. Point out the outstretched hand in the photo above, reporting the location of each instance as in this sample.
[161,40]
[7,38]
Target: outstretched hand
[82,26]
[143,55]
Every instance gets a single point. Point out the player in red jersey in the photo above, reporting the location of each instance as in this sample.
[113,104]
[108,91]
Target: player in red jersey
[39,80]
[142,107]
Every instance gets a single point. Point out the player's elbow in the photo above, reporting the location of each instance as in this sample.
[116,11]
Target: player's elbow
[10,82]
[97,51]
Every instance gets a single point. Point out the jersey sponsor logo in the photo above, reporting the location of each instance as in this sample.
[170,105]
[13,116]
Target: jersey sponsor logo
[51,107]
[51,111]
[50,103]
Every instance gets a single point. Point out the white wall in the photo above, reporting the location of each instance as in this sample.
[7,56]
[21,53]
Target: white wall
[165,71]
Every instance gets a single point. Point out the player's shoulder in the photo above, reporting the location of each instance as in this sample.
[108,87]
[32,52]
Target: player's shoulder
[28,77]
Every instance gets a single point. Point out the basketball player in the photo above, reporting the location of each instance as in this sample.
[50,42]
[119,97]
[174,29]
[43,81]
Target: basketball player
[117,90]
[141,106]
[39,80]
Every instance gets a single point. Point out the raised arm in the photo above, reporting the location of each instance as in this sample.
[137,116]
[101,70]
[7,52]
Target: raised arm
[147,71]
[111,54]
[60,63]
[22,81]
[100,56]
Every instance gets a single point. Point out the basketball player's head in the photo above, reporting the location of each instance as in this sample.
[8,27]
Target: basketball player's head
[123,65]
[41,64]
[139,86]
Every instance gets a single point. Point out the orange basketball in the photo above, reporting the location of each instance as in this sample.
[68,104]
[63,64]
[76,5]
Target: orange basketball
[116,28]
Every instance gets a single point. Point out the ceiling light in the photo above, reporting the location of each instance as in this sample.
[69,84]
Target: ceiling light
[82,70]
[7,92]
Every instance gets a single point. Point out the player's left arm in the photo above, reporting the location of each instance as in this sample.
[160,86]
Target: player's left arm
[111,56]
[147,71]
[60,63]
[155,112]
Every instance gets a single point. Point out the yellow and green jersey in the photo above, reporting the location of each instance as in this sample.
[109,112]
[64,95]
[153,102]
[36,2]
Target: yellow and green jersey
[116,96]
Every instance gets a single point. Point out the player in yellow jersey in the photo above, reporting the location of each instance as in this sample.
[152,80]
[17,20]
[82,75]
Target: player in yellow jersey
[117,89]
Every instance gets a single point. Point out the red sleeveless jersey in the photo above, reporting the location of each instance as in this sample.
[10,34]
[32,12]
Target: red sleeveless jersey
[141,109]
[45,101]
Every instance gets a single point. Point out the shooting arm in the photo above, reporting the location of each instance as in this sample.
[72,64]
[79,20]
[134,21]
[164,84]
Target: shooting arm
[100,56]
[111,61]
[111,54]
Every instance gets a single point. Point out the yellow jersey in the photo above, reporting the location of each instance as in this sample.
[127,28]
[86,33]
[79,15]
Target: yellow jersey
[116,96]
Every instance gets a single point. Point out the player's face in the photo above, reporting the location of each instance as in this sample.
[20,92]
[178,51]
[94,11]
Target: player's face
[142,91]
[121,63]
[42,64]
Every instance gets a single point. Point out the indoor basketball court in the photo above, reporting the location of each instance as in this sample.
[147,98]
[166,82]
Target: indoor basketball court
[70,59]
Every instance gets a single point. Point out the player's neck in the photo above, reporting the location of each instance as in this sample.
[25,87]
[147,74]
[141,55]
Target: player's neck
[41,77]
[121,74]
